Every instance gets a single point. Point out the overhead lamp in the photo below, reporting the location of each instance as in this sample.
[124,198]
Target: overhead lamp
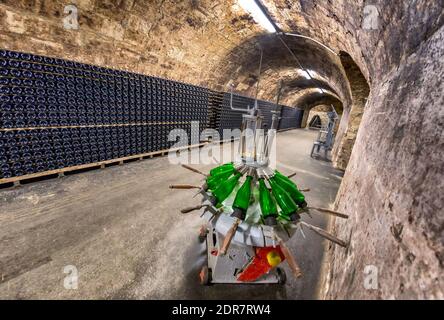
[308,74]
[258,15]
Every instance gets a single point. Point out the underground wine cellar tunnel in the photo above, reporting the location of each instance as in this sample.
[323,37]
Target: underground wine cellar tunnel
[121,227]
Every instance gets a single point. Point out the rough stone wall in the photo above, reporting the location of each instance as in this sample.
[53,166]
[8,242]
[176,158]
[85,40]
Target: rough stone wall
[392,188]
[320,111]
[181,40]
[345,138]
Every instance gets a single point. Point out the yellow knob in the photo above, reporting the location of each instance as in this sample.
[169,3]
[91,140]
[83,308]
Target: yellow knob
[273,258]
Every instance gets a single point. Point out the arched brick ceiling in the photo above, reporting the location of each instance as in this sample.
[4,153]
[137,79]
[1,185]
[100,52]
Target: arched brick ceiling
[310,97]
[338,24]
[279,64]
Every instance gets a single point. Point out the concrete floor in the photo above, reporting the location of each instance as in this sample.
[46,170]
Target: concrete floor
[122,229]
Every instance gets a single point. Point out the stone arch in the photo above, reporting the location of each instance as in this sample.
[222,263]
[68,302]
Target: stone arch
[312,98]
[351,118]
[321,111]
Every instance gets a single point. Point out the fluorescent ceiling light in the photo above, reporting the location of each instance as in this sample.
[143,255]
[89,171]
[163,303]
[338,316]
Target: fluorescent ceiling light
[253,9]
[309,74]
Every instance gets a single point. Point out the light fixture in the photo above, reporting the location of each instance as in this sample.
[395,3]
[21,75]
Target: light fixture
[258,15]
[308,74]
[305,37]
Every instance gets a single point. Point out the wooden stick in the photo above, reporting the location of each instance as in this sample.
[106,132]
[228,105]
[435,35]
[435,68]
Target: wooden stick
[325,234]
[229,236]
[189,209]
[328,211]
[183,186]
[304,190]
[290,259]
[193,169]
[291,175]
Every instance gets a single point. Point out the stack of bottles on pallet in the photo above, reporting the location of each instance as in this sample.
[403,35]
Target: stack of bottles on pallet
[290,118]
[232,119]
[266,107]
[56,113]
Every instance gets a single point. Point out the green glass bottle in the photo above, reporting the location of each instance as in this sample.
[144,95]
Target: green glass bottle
[268,206]
[214,181]
[224,189]
[288,207]
[282,176]
[278,173]
[225,171]
[224,167]
[242,200]
[291,189]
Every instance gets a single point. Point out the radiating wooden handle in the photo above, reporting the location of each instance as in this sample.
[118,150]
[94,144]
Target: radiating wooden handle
[228,237]
[183,186]
[193,169]
[291,175]
[328,211]
[189,209]
[325,234]
[290,260]
[304,190]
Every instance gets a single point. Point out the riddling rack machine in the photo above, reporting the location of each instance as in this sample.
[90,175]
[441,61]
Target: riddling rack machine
[247,223]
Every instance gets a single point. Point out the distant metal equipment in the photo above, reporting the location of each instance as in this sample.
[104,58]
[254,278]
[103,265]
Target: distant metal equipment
[326,136]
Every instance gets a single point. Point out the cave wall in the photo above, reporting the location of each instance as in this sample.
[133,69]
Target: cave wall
[180,40]
[346,136]
[393,185]
[320,111]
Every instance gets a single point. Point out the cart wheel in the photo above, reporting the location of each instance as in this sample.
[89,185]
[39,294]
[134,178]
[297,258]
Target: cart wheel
[282,276]
[205,276]
[202,233]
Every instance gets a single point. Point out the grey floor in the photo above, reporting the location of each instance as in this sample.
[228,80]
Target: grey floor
[121,228]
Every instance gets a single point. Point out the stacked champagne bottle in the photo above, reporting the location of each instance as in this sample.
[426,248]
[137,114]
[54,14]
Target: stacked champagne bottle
[280,201]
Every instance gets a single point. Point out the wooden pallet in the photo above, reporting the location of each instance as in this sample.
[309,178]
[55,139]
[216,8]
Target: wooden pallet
[99,164]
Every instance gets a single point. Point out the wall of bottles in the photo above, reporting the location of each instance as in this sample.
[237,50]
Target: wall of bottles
[232,119]
[56,113]
[266,108]
[291,118]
